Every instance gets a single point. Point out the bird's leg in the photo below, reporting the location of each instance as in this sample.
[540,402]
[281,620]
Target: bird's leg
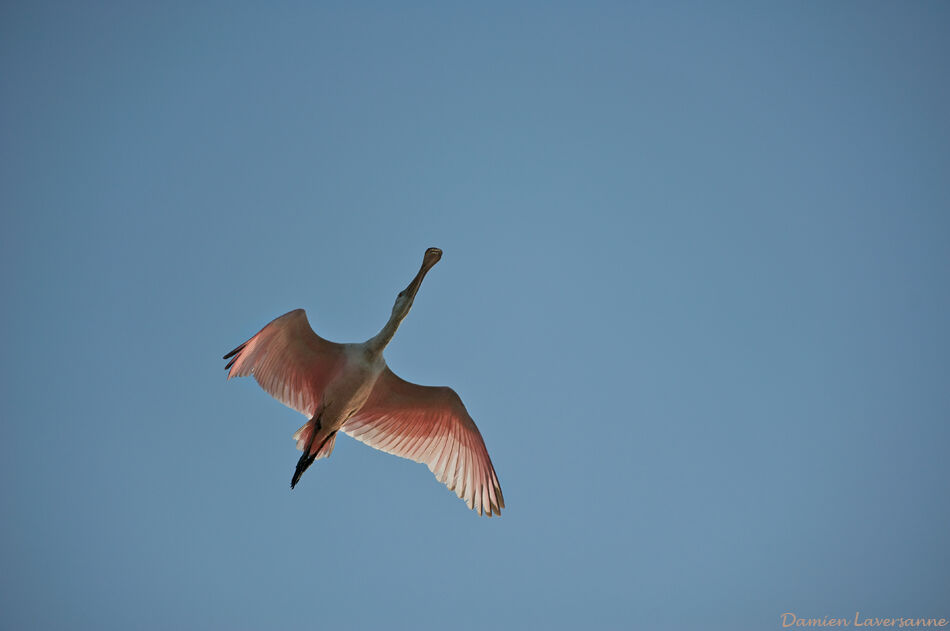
[305,461]
[307,458]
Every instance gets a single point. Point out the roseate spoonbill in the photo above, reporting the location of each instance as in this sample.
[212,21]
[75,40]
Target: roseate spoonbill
[349,387]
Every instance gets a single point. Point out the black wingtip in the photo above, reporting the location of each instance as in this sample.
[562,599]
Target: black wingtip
[235,351]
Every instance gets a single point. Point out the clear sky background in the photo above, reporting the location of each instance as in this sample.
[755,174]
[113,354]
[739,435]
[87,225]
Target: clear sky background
[694,293]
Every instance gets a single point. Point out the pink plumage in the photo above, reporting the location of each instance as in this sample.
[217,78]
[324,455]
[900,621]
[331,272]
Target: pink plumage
[349,387]
[432,426]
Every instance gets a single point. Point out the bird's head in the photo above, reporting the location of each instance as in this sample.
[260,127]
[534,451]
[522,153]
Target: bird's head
[407,295]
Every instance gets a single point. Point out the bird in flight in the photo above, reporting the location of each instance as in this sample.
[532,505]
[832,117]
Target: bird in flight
[349,387]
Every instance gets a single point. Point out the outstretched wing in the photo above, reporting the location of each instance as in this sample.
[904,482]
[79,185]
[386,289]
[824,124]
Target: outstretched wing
[430,425]
[289,361]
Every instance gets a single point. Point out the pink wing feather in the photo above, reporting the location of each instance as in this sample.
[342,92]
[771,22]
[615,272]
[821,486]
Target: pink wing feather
[291,362]
[430,425]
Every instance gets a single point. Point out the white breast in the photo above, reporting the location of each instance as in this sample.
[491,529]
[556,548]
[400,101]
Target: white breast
[347,393]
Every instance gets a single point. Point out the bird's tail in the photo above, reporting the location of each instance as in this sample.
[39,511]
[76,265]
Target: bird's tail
[303,435]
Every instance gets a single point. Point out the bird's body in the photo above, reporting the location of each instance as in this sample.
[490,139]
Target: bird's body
[356,375]
[352,386]
[349,387]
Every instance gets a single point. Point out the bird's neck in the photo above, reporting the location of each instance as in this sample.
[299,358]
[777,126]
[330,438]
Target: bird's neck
[378,342]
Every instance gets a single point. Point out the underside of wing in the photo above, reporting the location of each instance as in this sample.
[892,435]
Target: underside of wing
[430,425]
[291,362]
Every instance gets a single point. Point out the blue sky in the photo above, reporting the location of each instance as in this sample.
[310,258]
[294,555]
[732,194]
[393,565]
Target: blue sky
[694,293]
